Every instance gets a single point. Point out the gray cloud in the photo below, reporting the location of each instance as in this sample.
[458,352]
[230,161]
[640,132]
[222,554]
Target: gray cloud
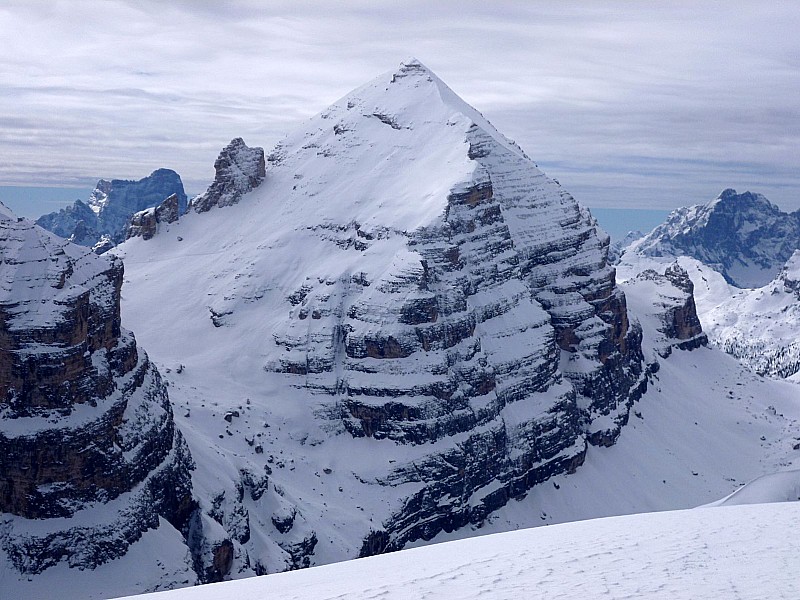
[627,104]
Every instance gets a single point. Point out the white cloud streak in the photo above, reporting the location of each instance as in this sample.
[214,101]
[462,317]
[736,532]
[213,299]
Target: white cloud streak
[626,103]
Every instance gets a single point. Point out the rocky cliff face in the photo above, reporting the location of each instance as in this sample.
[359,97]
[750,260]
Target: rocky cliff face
[424,326]
[90,458]
[238,170]
[743,236]
[667,299]
[145,223]
[110,207]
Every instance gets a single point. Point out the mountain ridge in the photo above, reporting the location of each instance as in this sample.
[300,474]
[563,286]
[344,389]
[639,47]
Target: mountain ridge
[102,220]
[743,236]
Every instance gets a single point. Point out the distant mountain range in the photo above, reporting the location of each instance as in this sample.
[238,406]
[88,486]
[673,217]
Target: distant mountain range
[751,244]
[103,219]
[743,236]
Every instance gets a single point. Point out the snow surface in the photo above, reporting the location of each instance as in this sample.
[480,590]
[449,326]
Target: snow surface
[739,552]
[774,487]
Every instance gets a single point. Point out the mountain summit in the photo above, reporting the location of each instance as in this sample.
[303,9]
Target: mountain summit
[103,219]
[407,322]
[743,236]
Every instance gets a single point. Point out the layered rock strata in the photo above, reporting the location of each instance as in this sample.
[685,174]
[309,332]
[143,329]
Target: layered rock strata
[406,324]
[495,333]
[89,454]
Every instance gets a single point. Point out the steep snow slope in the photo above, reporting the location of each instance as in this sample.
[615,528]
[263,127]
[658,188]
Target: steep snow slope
[708,553]
[783,486]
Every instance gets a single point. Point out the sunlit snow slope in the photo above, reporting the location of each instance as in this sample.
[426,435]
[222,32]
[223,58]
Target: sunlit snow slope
[739,552]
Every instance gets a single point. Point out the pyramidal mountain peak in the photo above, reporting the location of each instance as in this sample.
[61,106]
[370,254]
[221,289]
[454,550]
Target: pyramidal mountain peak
[414,309]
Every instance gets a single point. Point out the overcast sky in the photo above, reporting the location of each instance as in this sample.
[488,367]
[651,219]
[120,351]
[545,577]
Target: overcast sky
[629,104]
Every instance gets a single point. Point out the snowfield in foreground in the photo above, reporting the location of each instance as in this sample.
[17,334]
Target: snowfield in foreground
[725,552]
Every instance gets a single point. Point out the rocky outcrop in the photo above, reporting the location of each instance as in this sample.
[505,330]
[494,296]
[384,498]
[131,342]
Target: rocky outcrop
[238,170]
[743,236]
[111,206]
[144,223]
[667,302]
[88,446]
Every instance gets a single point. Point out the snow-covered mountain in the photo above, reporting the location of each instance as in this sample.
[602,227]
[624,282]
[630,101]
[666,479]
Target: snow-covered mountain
[401,331]
[421,321]
[90,459]
[761,327]
[743,236]
[106,214]
[757,326]
[408,324]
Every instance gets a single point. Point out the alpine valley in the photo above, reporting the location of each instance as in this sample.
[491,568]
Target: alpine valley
[391,330]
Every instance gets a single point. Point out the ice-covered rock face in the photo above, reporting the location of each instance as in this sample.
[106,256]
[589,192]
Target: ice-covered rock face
[88,446]
[239,169]
[110,207]
[743,236]
[426,322]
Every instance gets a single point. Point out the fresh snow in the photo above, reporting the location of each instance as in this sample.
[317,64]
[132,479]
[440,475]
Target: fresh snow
[744,552]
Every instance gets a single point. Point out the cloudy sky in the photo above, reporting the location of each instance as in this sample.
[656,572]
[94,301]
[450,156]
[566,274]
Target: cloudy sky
[628,104]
